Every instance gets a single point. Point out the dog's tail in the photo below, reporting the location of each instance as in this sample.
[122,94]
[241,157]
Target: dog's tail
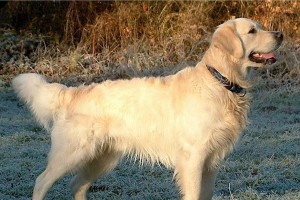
[42,97]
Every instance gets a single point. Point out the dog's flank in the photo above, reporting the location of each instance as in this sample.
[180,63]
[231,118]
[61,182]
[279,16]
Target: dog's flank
[187,121]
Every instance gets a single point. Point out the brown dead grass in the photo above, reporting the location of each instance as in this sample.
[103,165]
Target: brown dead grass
[125,39]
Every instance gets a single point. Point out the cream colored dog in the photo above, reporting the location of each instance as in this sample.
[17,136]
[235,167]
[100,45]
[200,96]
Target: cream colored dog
[188,121]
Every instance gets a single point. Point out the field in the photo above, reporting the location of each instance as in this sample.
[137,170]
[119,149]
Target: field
[264,164]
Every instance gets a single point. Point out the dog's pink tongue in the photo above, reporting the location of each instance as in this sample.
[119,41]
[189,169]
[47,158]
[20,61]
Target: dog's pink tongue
[268,55]
[265,55]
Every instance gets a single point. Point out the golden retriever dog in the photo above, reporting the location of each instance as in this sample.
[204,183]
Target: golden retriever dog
[187,121]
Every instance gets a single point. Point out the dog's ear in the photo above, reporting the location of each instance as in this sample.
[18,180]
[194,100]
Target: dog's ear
[228,41]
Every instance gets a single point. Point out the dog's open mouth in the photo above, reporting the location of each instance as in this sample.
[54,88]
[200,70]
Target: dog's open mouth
[265,58]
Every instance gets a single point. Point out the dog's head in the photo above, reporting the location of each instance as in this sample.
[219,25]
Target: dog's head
[247,42]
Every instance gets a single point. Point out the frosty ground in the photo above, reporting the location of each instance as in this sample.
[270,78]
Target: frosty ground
[264,164]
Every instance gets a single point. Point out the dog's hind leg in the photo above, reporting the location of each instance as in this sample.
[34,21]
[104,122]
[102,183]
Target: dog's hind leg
[59,164]
[71,148]
[102,164]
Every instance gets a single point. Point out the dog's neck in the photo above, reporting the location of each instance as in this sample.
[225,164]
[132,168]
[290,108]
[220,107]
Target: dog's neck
[235,88]
[227,66]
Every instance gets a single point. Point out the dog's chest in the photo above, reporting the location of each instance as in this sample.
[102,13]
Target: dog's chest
[232,119]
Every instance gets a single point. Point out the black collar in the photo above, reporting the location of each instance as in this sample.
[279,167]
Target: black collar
[235,88]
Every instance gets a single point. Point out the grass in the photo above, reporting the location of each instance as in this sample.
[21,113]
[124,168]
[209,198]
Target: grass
[130,39]
[264,164]
[124,39]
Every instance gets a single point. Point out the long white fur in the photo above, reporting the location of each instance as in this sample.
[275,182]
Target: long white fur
[39,95]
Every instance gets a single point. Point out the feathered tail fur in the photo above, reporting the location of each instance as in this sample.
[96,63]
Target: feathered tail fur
[42,97]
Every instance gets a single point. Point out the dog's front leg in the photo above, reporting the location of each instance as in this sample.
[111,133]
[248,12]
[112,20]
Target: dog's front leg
[208,182]
[189,170]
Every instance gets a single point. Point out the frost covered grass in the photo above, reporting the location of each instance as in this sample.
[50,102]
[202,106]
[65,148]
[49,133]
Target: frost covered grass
[264,165]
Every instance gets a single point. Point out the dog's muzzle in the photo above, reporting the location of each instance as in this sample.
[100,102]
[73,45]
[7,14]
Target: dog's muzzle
[269,57]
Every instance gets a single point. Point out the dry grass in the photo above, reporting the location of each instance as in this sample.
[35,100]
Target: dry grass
[124,39]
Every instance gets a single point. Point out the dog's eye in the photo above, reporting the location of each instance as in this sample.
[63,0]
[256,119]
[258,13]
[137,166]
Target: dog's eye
[252,30]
